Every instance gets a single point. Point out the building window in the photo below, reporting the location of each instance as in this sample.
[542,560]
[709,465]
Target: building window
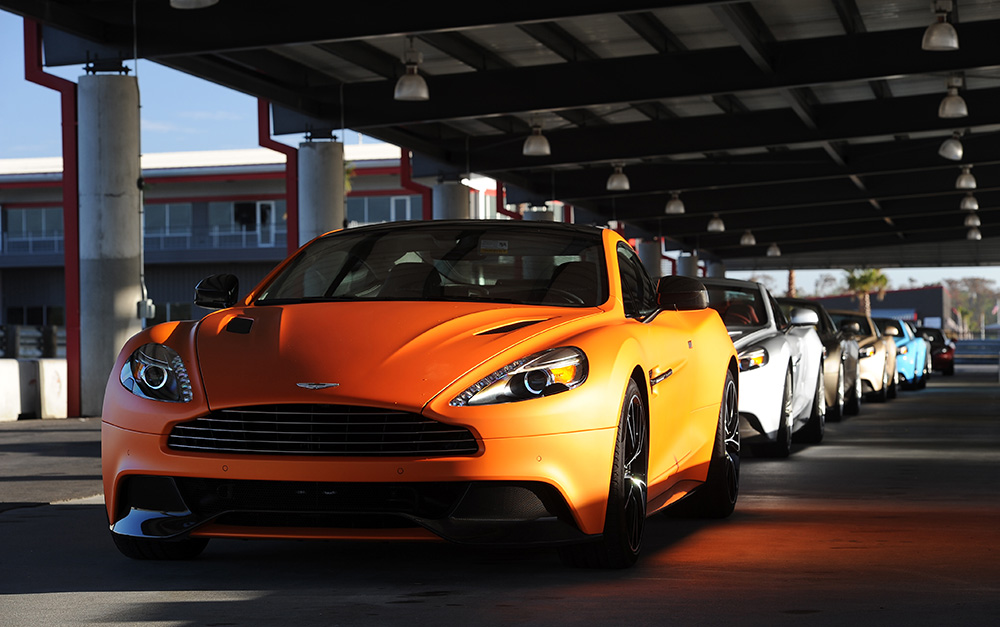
[168,226]
[247,224]
[375,209]
[34,230]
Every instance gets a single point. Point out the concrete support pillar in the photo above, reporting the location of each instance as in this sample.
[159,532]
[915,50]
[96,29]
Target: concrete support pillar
[451,201]
[687,265]
[652,259]
[110,230]
[716,269]
[321,189]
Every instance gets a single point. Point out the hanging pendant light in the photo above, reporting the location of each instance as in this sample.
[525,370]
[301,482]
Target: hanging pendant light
[953,105]
[951,148]
[411,86]
[965,180]
[972,220]
[716,225]
[940,35]
[969,203]
[974,234]
[747,239]
[536,144]
[617,182]
[675,206]
[773,250]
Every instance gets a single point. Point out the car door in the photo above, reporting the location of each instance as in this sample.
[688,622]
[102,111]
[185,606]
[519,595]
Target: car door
[671,435]
[803,368]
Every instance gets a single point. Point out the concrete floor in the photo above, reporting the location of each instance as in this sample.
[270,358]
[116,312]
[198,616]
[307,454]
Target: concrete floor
[893,520]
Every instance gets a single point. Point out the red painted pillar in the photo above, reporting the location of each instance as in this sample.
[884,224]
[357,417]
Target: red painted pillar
[71,205]
[291,171]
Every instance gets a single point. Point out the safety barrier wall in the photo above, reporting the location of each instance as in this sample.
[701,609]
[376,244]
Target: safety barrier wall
[32,388]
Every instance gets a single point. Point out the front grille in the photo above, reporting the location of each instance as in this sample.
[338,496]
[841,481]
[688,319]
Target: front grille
[321,430]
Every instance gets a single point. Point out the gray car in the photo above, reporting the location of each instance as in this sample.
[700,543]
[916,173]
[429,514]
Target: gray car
[840,366]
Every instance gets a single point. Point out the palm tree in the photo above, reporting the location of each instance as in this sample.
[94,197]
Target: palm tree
[862,282]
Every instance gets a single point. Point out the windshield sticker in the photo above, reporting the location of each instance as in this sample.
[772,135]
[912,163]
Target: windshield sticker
[493,247]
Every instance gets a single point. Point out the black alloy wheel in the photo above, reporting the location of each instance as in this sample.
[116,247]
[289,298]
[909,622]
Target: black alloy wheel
[625,519]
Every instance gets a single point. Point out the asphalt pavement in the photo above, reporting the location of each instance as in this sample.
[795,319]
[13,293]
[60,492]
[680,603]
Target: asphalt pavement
[893,520]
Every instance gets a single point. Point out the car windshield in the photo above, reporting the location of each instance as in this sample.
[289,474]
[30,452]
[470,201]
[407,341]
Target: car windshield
[885,323]
[739,308]
[840,319]
[516,263]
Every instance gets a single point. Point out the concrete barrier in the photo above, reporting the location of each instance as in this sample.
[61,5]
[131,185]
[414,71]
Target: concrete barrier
[10,390]
[32,388]
[52,388]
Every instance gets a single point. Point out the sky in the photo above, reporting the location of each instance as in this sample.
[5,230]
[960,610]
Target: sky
[183,113]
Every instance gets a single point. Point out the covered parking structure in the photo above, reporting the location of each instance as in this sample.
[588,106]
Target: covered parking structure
[812,124]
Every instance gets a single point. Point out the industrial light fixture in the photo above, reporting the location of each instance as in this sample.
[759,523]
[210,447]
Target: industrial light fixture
[974,234]
[192,4]
[617,182]
[965,180]
[951,148]
[411,86]
[716,225]
[969,203]
[953,105]
[940,36]
[536,144]
[972,220]
[747,239]
[773,250]
[675,206]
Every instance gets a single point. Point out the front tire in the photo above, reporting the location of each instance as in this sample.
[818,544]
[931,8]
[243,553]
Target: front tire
[853,404]
[836,411]
[625,519]
[815,428]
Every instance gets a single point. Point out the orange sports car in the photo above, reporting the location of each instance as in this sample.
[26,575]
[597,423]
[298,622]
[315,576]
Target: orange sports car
[485,382]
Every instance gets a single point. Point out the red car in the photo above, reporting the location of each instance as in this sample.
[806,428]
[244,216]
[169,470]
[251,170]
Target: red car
[942,350]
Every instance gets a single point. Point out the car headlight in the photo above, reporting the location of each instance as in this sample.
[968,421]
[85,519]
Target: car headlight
[542,374]
[156,372]
[902,350]
[752,360]
[866,351]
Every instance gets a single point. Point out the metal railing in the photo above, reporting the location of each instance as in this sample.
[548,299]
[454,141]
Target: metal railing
[19,341]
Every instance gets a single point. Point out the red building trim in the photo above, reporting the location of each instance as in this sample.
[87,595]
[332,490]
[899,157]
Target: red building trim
[291,171]
[405,174]
[70,202]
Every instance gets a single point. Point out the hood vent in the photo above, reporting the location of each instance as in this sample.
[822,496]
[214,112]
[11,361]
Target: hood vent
[507,328]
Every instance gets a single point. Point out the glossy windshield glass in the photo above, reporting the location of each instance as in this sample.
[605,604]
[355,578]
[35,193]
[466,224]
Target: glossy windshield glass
[839,319]
[739,308]
[519,263]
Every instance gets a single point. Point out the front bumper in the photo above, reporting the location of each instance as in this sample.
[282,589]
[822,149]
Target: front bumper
[541,489]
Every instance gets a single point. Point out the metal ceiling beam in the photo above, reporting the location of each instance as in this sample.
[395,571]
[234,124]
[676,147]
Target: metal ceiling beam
[755,130]
[799,63]
[214,29]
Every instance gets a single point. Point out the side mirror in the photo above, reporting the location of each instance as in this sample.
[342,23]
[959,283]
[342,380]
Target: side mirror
[802,317]
[681,293]
[851,327]
[217,291]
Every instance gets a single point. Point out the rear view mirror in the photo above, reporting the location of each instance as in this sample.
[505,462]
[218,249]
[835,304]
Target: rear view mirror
[850,327]
[681,293]
[217,291]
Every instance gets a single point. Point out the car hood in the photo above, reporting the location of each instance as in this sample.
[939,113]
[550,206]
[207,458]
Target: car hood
[359,352]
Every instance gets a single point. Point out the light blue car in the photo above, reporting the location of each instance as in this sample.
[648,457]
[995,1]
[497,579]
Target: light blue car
[913,355]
